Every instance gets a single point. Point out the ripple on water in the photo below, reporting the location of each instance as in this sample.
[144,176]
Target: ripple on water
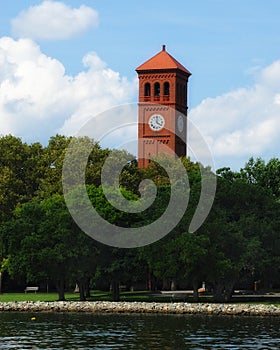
[88,331]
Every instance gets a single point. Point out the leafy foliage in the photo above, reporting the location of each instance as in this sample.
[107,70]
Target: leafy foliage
[238,244]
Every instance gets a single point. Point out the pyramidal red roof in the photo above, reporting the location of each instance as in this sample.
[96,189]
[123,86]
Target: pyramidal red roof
[162,60]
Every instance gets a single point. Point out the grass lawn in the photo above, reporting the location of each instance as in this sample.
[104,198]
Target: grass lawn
[95,295]
[107,296]
[31,296]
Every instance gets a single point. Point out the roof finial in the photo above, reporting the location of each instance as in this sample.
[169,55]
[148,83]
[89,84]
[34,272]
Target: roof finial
[163,47]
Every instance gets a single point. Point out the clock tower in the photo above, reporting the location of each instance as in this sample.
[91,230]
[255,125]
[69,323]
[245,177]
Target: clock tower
[162,111]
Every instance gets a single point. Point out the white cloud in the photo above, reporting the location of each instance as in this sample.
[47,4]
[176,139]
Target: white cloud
[37,98]
[99,88]
[53,20]
[244,122]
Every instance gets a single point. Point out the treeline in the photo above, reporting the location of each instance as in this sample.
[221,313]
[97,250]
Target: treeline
[40,243]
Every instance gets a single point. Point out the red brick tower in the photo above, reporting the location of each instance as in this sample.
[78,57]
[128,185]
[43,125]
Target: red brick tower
[162,112]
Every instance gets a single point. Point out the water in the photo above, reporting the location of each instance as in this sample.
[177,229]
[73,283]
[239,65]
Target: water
[88,331]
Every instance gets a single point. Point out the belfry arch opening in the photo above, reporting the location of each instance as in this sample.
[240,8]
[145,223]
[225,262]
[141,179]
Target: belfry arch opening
[166,88]
[156,89]
[147,90]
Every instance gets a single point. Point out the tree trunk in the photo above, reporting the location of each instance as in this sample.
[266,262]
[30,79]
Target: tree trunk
[116,290]
[165,285]
[218,292]
[153,282]
[229,290]
[195,291]
[0,282]
[60,289]
[81,285]
[149,282]
[87,288]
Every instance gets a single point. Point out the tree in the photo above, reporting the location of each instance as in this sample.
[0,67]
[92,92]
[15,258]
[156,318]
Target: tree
[13,174]
[51,166]
[263,181]
[193,249]
[114,262]
[235,227]
[265,175]
[45,244]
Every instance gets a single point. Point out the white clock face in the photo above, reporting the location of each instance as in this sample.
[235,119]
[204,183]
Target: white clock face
[156,122]
[180,123]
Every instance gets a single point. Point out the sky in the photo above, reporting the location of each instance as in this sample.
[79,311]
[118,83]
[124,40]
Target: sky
[62,62]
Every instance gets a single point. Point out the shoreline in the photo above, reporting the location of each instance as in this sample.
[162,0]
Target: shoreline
[142,308]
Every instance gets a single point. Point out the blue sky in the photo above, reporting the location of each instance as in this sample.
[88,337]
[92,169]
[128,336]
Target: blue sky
[54,55]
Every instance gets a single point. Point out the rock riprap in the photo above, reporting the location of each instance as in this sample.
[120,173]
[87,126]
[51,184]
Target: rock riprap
[143,307]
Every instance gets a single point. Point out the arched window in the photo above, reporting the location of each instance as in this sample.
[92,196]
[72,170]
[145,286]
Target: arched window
[147,89]
[156,89]
[166,88]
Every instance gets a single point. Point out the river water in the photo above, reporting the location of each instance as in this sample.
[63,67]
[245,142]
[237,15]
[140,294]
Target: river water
[91,331]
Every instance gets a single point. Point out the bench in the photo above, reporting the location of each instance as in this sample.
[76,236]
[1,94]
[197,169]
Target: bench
[31,289]
[178,296]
